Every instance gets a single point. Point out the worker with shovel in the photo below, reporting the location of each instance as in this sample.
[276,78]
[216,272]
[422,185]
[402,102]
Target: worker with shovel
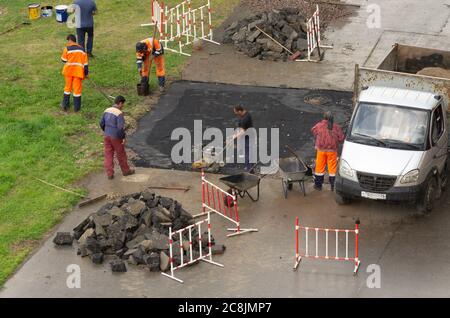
[328,137]
[113,126]
[147,51]
[245,123]
[75,70]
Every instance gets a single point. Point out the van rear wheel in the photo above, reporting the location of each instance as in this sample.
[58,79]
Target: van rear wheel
[426,203]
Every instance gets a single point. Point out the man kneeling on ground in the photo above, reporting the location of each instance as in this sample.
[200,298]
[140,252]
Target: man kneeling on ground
[113,125]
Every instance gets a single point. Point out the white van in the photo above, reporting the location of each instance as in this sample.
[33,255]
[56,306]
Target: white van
[396,148]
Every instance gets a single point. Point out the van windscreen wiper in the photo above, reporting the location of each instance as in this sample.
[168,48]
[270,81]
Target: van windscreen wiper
[378,141]
[399,143]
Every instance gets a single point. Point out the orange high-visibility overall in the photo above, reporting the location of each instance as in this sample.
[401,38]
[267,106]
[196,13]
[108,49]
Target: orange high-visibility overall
[144,58]
[75,68]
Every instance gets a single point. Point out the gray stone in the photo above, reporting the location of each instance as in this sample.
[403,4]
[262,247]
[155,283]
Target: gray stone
[88,233]
[118,266]
[164,262]
[135,241]
[83,251]
[97,258]
[302,44]
[116,212]
[135,208]
[148,195]
[104,219]
[241,35]
[262,41]
[272,46]
[129,252]
[233,26]
[252,37]
[146,245]
[93,245]
[153,261]
[218,249]
[138,256]
[63,238]
[147,218]
[159,217]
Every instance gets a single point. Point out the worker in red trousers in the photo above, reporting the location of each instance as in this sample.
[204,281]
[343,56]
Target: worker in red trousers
[328,137]
[113,126]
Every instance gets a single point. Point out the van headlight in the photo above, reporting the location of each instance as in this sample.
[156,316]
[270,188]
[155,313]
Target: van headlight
[410,177]
[345,170]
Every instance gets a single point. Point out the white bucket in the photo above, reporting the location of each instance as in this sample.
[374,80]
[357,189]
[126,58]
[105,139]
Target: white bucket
[61,13]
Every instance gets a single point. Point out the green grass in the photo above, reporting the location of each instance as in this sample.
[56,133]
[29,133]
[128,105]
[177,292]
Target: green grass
[36,140]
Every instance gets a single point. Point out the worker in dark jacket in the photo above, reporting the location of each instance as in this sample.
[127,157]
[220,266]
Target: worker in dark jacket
[113,126]
[328,137]
[245,123]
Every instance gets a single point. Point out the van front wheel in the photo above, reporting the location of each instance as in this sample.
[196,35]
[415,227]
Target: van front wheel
[426,203]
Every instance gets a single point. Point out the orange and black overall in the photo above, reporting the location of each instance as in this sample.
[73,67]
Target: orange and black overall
[75,71]
[154,48]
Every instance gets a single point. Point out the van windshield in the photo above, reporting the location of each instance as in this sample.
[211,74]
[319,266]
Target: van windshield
[390,126]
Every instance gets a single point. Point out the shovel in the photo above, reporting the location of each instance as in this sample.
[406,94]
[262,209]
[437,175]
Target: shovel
[293,56]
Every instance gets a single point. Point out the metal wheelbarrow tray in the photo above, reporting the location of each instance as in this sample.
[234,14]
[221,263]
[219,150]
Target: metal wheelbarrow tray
[243,182]
[292,171]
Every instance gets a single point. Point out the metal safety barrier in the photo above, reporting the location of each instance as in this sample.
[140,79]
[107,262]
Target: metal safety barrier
[306,252]
[313,36]
[182,25]
[217,200]
[192,255]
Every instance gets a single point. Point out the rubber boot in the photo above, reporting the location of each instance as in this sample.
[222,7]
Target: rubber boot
[332,179]
[77,104]
[318,182]
[162,83]
[65,104]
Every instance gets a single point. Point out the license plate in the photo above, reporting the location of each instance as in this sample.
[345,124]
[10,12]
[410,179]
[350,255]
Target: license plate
[373,196]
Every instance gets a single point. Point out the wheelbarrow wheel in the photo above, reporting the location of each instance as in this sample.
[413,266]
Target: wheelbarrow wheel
[285,186]
[228,202]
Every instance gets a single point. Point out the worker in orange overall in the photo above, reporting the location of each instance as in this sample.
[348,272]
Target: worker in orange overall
[328,136]
[144,50]
[75,70]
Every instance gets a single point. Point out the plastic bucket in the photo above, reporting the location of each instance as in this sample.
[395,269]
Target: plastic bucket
[61,13]
[47,11]
[33,11]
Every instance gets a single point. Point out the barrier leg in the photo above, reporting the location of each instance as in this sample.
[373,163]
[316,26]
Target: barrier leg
[298,258]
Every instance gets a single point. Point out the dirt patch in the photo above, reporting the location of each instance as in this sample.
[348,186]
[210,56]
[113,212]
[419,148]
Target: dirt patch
[3,11]
[23,246]
[328,12]
[435,72]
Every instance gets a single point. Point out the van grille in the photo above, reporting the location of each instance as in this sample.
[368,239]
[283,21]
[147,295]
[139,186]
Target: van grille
[375,182]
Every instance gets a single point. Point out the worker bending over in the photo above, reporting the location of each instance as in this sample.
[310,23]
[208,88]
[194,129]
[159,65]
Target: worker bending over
[328,137]
[113,126]
[146,51]
[75,70]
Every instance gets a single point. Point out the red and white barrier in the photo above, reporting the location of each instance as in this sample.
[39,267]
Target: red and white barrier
[306,252]
[313,29]
[217,200]
[182,25]
[190,257]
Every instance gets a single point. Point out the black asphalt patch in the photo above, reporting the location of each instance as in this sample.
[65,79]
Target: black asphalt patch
[281,108]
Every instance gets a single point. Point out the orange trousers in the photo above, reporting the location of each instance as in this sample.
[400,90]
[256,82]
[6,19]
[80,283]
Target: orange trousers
[160,66]
[73,84]
[326,158]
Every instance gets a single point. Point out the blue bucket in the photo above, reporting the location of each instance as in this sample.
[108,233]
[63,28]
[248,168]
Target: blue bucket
[61,13]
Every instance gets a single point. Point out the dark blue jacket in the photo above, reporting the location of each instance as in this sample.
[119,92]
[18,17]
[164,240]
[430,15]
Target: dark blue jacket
[113,123]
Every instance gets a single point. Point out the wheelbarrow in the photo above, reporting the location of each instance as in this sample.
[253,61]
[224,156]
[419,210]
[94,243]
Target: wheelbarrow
[293,170]
[241,183]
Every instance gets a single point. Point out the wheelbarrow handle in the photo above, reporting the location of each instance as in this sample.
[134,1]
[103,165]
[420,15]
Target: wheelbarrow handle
[293,152]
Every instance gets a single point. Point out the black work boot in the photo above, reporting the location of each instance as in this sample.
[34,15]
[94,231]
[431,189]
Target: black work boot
[332,180]
[65,104]
[162,83]
[318,181]
[77,104]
